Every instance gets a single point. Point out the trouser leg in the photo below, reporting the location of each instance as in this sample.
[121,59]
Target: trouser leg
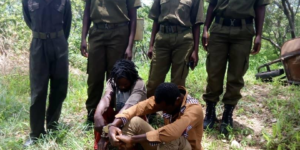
[97,63]
[39,77]
[59,70]
[183,44]
[160,63]
[216,66]
[178,144]
[116,47]
[238,58]
[137,126]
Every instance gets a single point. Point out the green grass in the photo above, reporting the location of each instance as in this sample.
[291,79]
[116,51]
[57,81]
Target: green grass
[279,102]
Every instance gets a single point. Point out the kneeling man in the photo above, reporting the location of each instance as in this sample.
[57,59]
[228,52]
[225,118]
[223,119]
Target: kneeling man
[183,118]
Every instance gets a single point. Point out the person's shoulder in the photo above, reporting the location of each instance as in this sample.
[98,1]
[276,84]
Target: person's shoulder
[193,103]
[192,100]
[139,84]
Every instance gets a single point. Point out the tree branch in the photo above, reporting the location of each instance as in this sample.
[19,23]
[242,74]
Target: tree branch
[291,10]
[288,15]
[272,42]
[297,9]
[278,5]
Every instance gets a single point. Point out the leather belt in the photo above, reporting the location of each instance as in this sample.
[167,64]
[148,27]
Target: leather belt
[43,36]
[233,22]
[172,28]
[110,25]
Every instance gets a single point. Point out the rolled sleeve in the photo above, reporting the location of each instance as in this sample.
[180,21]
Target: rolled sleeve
[142,108]
[26,13]
[193,116]
[153,136]
[138,93]
[155,10]
[108,87]
[263,2]
[67,19]
[197,12]
[134,4]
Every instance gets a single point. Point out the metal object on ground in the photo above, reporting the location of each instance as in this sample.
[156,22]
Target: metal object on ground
[139,30]
[290,58]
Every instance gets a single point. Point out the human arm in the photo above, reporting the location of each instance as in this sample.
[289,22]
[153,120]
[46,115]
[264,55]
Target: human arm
[197,19]
[196,34]
[155,29]
[145,107]
[101,108]
[67,19]
[86,23]
[259,21]
[26,13]
[209,18]
[154,15]
[192,118]
[128,142]
[132,27]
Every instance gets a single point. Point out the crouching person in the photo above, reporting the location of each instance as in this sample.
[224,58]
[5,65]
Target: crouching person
[183,118]
[124,89]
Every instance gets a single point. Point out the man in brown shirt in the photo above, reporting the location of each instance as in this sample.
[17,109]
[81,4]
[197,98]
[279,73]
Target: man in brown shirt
[124,89]
[110,38]
[183,119]
[174,41]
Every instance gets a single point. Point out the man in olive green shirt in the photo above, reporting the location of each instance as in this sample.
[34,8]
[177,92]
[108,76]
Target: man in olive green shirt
[110,39]
[229,44]
[174,40]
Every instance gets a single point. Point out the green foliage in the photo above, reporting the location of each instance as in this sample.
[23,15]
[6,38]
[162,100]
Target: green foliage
[15,93]
[285,132]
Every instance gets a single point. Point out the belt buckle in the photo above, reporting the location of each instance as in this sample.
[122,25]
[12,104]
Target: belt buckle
[47,35]
[232,22]
[106,26]
[170,29]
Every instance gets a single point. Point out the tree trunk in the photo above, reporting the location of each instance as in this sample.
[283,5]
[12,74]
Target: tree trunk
[288,11]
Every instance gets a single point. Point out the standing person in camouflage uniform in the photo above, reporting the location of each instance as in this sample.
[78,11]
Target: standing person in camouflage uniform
[174,40]
[230,43]
[110,38]
[50,22]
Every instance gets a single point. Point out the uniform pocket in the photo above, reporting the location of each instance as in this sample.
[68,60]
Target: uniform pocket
[87,66]
[184,10]
[33,6]
[250,29]
[187,3]
[60,7]
[185,70]
[207,63]
[246,65]
[164,7]
[213,27]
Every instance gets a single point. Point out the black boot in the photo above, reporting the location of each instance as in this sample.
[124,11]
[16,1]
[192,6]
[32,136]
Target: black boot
[210,115]
[227,121]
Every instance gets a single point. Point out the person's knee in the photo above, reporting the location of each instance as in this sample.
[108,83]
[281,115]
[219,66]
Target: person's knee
[135,121]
